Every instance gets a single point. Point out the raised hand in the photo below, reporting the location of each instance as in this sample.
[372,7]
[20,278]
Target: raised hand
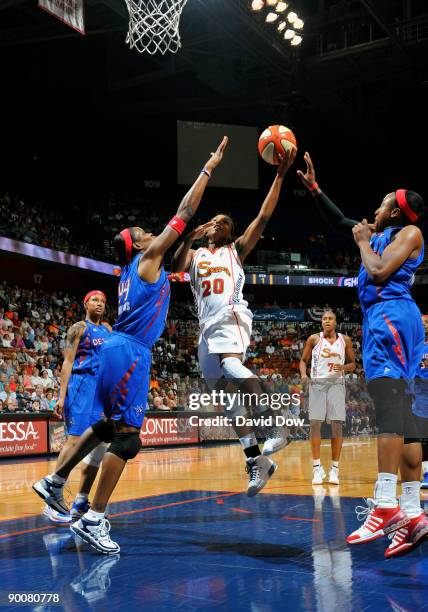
[200,231]
[217,155]
[307,178]
[286,161]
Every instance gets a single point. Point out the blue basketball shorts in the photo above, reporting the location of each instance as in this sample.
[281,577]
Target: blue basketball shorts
[393,340]
[123,379]
[79,409]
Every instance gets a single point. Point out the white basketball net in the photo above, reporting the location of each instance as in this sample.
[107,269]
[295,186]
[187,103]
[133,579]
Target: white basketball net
[154,25]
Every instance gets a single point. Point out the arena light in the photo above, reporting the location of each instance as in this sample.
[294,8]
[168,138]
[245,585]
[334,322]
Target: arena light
[298,24]
[281,7]
[271,2]
[257,5]
[271,17]
[281,26]
[289,34]
[296,41]
[292,17]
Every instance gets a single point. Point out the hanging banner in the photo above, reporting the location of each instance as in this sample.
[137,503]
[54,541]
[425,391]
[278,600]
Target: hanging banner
[279,314]
[69,11]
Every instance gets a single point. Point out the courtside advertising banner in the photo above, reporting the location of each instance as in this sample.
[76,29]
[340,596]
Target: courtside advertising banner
[160,431]
[69,11]
[23,437]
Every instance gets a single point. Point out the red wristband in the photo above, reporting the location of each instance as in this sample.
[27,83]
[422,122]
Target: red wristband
[314,187]
[177,224]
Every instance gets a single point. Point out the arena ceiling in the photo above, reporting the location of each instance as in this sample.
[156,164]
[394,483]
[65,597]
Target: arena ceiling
[361,74]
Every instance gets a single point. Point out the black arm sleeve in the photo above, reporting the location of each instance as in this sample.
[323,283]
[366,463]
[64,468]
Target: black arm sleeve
[333,215]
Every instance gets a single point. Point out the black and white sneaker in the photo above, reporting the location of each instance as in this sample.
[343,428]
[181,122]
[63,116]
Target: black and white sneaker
[260,470]
[276,439]
[96,534]
[52,493]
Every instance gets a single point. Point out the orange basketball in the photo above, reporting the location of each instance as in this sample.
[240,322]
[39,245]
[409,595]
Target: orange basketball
[276,139]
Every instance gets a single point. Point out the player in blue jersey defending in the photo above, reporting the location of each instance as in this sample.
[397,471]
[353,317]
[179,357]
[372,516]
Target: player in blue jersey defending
[124,372]
[76,398]
[392,248]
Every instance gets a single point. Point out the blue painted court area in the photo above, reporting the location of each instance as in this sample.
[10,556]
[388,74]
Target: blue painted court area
[216,551]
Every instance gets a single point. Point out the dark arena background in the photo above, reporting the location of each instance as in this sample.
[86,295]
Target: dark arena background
[97,137]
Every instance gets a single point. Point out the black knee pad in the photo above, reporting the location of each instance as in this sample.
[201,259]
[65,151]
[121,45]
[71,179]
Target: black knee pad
[125,445]
[388,396]
[103,430]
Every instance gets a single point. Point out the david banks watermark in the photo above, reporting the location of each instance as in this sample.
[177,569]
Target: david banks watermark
[240,421]
[232,401]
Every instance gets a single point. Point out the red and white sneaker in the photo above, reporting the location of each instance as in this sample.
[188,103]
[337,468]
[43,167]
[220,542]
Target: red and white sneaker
[379,522]
[407,538]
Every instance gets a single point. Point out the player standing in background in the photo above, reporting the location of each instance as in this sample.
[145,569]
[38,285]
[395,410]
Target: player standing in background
[76,398]
[393,340]
[124,372]
[331,356]
[420,403]
[217,279]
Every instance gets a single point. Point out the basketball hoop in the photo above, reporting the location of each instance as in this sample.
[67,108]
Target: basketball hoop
[154,25]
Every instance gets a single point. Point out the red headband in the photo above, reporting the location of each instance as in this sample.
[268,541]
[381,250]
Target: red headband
[400,196]
[126,235]
[91,293]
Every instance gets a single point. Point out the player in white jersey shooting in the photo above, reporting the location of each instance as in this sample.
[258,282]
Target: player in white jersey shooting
[331,357]
[217,280]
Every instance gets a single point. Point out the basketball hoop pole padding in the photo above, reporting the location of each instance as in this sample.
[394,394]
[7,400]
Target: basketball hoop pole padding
[154,25]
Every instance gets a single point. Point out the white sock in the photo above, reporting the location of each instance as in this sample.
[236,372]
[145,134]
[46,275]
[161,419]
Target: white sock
[410,498]
[248,440]
[316,463]
[57,479]
[425,467]
[385,493]
[81,498]
[93,516]
[335,464]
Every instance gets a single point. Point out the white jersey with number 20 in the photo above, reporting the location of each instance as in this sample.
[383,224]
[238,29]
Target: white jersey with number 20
[217,279]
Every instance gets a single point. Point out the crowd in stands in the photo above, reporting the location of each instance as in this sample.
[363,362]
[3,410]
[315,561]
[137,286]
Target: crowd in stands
[87,228]
[33,328]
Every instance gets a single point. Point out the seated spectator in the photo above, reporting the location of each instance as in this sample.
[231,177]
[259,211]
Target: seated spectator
[11,405]
[50,399]
[158,404]
[6,341]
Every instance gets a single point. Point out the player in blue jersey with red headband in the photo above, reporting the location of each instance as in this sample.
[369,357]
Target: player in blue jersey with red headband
[392,248]
[76,397]
[124,372]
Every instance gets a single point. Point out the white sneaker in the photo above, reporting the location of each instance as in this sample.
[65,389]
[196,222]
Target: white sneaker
[56,517]
[260,470]
[276,439]
[318,475]
[53,494]
[333,475]
[96,535]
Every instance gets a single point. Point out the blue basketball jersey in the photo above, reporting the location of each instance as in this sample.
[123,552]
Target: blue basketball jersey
[398,285]
[87,355]
[143,306]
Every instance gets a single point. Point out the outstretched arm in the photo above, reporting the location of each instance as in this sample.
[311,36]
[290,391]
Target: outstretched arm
[329,211]
[150,263]
[246,243]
